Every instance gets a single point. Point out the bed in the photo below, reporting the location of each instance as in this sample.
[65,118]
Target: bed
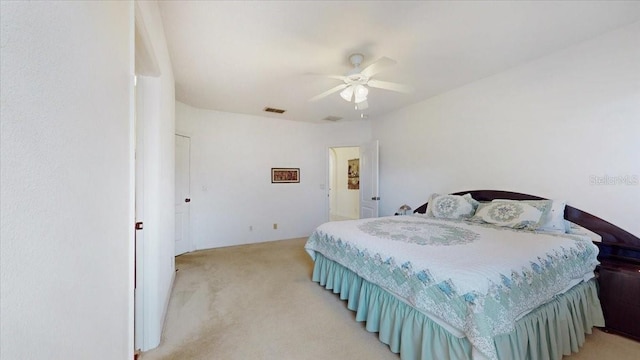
[466,287]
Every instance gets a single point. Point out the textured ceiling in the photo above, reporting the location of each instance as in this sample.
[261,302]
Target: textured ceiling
[242,56]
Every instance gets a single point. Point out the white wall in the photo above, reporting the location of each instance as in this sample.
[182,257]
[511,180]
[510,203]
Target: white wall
[347,202]
[231,160]
[66,195]
[543,128]
[157,112]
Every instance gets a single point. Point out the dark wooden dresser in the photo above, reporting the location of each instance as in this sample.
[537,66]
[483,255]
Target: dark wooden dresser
[619,289]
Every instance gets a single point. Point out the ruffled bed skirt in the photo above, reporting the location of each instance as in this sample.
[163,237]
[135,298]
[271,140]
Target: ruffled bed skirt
[549,332]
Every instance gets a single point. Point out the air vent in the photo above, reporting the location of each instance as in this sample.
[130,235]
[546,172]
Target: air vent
[274,110]
[332,118]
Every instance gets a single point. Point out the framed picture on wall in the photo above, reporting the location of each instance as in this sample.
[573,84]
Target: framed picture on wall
[285,175]
[353,180]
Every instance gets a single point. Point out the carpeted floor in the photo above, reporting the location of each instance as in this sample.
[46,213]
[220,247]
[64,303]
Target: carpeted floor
[258,302]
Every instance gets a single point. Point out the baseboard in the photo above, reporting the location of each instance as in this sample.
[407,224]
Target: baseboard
[168,298]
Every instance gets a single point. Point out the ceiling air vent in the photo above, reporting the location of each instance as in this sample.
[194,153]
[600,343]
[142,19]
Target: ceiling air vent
[332,118]
[274,110]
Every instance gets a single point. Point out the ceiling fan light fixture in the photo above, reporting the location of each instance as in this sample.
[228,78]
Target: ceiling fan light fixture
[347,93]
[361,93]
[356,82]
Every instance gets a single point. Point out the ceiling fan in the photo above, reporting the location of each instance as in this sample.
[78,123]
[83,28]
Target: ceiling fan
[356,82]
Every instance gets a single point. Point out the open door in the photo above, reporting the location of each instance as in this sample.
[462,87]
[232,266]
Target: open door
[138,288]
[182,195]
[146,68]
[369,196]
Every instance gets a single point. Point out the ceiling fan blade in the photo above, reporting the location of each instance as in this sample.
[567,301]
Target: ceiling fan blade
[386,85]
[377,66]
[329,92]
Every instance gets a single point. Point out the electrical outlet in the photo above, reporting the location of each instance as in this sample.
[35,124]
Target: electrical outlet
[275,226]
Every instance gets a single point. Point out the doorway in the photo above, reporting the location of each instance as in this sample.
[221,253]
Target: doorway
[344,183]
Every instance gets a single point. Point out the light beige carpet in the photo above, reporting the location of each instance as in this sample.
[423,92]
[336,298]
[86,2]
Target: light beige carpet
[258,302]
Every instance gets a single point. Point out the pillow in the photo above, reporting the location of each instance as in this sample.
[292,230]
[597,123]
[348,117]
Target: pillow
[451,206]
[579,230]
[513,214]
[553,219]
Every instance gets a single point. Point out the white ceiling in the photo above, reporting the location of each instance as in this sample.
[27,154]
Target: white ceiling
[242,56]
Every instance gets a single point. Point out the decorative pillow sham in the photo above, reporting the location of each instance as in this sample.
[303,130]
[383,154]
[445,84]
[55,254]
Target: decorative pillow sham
[553,220]
[524,214]
[451,206]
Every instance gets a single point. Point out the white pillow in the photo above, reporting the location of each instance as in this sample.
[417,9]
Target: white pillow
[451,206]
[554,220]
[512,214]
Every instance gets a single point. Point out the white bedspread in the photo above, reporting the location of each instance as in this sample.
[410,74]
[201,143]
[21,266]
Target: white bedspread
[479,279]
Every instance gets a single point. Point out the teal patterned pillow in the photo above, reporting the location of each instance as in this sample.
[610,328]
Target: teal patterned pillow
[514,214]
[553,216]
[451,206]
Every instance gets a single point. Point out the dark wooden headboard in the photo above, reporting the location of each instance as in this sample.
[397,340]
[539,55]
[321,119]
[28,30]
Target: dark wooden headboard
[616,242]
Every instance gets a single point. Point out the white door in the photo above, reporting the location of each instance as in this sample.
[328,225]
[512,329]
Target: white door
[369,196]
[183,155]
[332,185]
[139,234]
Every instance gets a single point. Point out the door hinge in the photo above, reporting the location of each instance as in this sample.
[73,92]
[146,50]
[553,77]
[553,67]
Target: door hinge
[139,225]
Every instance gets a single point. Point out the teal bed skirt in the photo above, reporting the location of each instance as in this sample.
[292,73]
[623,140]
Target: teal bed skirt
[555,329]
